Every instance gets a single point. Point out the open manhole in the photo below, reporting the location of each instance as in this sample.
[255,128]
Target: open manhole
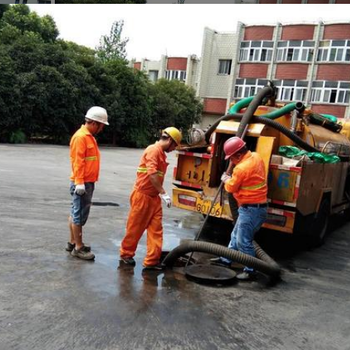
[105,204]
[210,274]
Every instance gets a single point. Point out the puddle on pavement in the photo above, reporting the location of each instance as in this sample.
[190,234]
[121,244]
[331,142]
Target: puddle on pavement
[130,282]
[192,221]
[129,279]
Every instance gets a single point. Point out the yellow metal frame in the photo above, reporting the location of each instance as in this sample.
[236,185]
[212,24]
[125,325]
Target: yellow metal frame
[288,228]
[202,206]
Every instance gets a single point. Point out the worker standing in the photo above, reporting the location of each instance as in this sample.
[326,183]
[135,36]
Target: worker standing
[85,162]
[248,186]
[145,201]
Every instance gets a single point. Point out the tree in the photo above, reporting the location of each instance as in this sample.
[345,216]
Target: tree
[100,1]
[127,101]
[112,46]
[174,104]
[3,9]
[48,84]
[21,18]
[9,97]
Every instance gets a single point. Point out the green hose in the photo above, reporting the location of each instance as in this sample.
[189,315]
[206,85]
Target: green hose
[279,112]
[240,104]
[271,115]
[330,117]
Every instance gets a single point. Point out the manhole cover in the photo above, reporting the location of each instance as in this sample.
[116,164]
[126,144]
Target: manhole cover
[210,274]
[105,204]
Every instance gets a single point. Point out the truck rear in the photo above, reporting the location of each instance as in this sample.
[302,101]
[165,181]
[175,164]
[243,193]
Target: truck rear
[301,192]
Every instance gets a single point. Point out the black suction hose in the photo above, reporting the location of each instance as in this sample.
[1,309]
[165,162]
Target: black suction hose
[217,122]
[262,263]
[271,267]
[267,91]
[257,119]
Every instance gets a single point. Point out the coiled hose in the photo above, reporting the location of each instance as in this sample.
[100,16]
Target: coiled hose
[262,262]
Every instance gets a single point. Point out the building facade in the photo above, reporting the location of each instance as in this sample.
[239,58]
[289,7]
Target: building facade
[184,69]
[216,71]
[307,62]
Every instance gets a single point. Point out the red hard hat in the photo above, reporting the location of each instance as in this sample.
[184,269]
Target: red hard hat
[232,146]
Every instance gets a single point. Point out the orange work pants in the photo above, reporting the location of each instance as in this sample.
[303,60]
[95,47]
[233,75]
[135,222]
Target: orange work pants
[145,214]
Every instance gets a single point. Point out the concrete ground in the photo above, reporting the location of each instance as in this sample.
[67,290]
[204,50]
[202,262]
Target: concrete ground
[50,300]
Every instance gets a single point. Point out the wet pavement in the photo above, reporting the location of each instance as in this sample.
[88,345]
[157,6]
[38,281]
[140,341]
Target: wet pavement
[50,300]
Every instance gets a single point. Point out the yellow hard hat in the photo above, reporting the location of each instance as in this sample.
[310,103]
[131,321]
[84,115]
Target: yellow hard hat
[174,133]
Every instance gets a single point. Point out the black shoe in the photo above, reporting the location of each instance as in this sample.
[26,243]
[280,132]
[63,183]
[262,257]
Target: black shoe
[219,261]
[70,246]
[158,267]
[128,261]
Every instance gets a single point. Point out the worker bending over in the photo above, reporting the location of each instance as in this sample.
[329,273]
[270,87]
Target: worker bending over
[145,201]
[248,186]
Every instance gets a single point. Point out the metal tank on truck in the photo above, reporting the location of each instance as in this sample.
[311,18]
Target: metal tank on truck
[306,156]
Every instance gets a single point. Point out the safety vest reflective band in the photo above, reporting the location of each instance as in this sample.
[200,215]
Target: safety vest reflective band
[144,170]
[254,187]
[91,158]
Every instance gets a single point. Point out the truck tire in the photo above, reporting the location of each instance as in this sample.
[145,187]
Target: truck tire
[320,224]
[312,229]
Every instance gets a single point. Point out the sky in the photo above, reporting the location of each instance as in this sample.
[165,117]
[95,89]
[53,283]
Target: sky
[172,29]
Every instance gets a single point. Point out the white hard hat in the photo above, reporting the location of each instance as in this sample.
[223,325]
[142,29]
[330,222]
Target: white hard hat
[98,114]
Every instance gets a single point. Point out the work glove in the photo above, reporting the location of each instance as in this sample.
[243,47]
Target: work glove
[225,177]
[166,199]
[80,189]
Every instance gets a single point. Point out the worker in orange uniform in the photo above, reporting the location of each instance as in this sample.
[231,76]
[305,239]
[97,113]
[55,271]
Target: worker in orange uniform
[85,162]
[248,186]
[145,201]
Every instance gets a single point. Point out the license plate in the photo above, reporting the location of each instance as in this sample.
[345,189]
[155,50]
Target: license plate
[203,206]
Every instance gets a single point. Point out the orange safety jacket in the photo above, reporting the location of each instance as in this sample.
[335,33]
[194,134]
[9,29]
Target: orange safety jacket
[153,161]
[84,157]
[248,181]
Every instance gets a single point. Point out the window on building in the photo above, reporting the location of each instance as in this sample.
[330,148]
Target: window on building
[334,51]
[175,75]
[330,92]
[153,75]
[225,67]
[256,51]
[295,51]
[291,90]
[248,87]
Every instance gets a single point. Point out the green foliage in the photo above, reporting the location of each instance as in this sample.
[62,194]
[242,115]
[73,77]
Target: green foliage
[48,84]
[20,17]
[112,46]
[100,1]
[174,104]
[3,9]
[129,110]
[18,136]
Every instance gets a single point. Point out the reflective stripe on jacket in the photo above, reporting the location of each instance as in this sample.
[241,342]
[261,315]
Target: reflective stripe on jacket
[153,161]
[248,181]
[84,157]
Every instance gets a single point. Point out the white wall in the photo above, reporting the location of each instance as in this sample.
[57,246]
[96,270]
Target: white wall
[216,46]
